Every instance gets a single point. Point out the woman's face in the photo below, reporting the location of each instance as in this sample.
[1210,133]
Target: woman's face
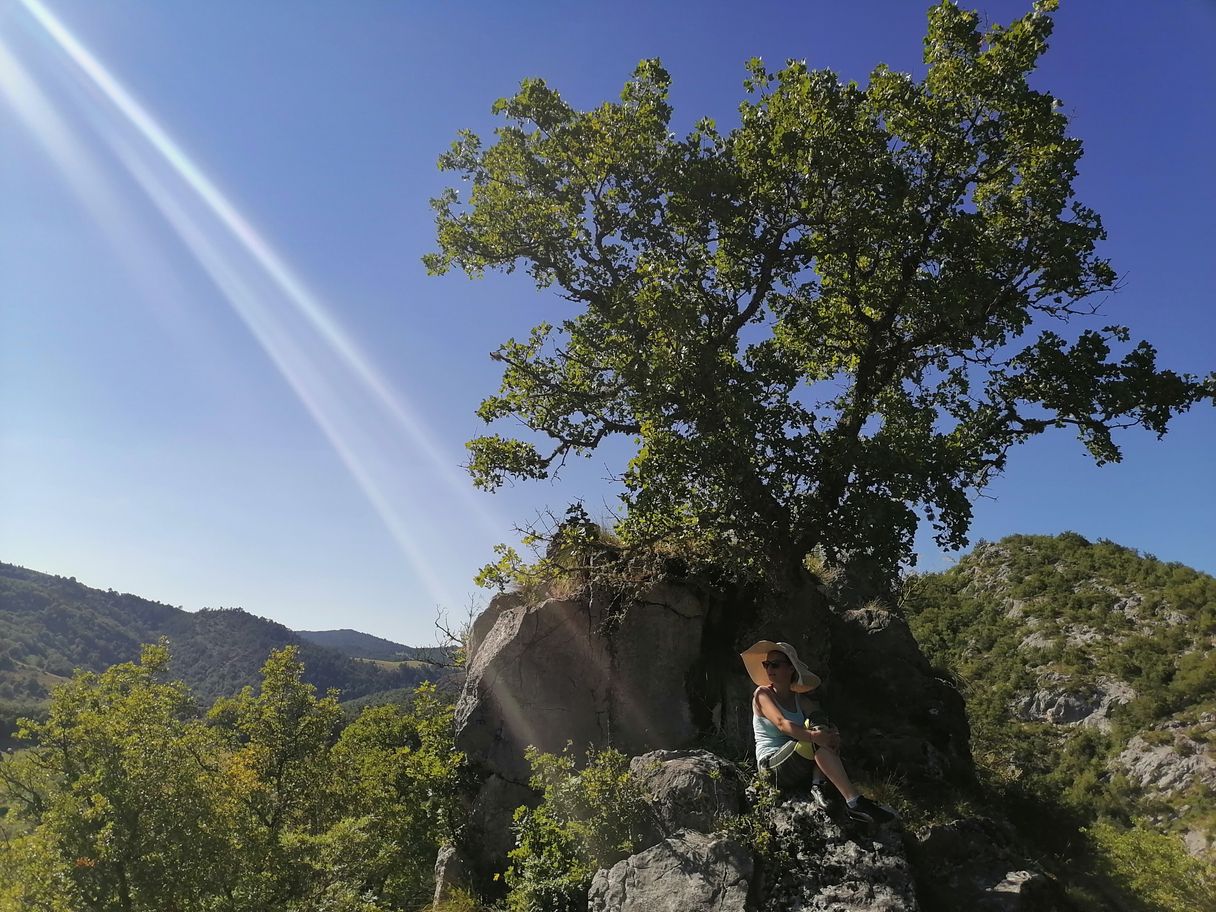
[779,668]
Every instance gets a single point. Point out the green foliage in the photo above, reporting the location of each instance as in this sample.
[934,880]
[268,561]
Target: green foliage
[754,827]
[1154,868]
[129,800]
[815,323]
[120,814]
[587,819]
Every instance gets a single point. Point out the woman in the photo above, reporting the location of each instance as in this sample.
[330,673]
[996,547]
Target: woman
[794,741]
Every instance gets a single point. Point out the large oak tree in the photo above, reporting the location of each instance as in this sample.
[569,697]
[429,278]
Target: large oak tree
[838,315]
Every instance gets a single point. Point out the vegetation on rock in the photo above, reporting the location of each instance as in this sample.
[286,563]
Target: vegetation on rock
[590,816]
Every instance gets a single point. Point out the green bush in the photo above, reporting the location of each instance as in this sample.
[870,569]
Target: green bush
[1154,868]
[587,819]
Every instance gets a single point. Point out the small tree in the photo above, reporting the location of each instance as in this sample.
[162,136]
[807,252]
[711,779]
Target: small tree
[120,814]
[845,310]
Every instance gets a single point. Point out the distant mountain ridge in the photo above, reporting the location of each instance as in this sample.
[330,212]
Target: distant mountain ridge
[360,645]
[51,625]
[1089,671]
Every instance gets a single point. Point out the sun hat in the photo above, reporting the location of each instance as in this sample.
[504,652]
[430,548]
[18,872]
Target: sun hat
[753,661]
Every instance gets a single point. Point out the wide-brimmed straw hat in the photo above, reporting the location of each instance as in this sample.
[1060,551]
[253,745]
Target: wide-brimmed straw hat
[753,660]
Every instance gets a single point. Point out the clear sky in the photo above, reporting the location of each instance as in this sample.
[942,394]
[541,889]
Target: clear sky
[226,380]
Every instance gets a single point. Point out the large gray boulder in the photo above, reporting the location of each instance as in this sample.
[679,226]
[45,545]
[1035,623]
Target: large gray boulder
[562,671]
[688,872]
[654,647]
[690,789]
[539,677]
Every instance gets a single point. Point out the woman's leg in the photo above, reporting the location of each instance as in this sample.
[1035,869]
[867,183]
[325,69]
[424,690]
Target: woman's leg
[829,762]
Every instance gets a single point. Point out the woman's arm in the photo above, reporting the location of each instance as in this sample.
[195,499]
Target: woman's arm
[771,711]
[823,735]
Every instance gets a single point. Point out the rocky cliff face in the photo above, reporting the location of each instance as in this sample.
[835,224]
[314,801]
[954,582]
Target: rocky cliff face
[662,674]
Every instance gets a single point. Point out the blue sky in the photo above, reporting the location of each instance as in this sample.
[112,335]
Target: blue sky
[204,425]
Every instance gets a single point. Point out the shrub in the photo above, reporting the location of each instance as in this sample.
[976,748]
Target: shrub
[1154,867]
[587,819]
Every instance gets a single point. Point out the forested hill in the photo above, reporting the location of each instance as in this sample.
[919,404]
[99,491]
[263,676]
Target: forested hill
[51,625]
[1090,675]
[365,646]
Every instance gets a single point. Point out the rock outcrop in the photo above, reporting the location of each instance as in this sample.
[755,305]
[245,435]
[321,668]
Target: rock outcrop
[1058,703]
[655,674]
[814,862]
[564,672]
[826,867]
[693,790]
[687,871]
[1171,759]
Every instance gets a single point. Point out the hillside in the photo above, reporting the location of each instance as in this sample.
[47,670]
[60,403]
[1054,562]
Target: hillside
[51,625]
[359,645]
[1090,676]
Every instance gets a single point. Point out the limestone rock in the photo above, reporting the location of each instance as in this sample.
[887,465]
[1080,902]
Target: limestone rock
[540,677]
[484,622]
[688,872]
[449,873]
[660,671]
[557,672]
[1168,768]
[1062,704]
[863,869]
[1036,640]
[1198,843]
[689,789]
[653,647]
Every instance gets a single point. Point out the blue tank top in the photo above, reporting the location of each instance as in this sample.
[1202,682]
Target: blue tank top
[768,739]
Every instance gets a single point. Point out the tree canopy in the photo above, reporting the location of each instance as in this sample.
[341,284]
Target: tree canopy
[839,314]
[129,800]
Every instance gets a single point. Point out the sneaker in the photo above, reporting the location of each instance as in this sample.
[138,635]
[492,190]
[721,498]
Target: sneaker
[868,811]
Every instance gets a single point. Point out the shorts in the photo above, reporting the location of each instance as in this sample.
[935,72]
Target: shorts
[792,765]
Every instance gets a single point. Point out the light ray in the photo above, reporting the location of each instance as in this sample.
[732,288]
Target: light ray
[260,249]
[373,430]
[32,106]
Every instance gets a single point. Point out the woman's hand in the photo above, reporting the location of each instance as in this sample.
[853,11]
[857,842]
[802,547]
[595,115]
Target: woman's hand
[826,737]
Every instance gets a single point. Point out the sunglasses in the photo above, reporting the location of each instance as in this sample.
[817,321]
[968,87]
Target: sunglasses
[776,664]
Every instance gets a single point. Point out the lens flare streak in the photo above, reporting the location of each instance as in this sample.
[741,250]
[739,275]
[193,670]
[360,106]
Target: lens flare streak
[377,434]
